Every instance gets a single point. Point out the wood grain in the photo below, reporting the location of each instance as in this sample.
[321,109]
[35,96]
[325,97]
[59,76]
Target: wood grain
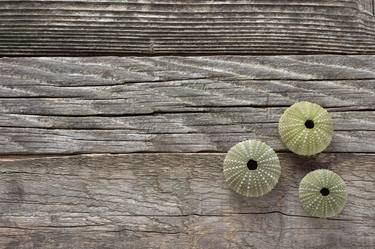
[169,200]
[54,106]
[94,27]
[177,104]
[367,6]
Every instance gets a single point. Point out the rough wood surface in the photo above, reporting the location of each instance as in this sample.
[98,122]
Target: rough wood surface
[367,6]
[52,107]
[65,27]
[174,201]
[177,104]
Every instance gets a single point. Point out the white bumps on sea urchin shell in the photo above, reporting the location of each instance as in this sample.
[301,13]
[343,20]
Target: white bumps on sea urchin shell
[306,128]
[322,193]
[251,168]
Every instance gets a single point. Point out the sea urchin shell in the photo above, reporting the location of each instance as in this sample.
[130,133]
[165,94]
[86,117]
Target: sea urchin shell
[322,193]
[306,128]
[251,168]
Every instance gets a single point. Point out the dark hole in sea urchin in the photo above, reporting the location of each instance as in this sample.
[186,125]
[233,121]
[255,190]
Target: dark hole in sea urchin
[252,164]
[324,191]
[309,124]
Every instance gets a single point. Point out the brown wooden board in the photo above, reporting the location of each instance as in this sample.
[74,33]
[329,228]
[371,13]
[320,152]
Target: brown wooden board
[126,152]
[177,104]
[149,27]
[174,201]
[69,126]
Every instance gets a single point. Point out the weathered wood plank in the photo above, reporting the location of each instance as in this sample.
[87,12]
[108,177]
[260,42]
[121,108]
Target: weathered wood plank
[95,27]
[177,104]
[174,200]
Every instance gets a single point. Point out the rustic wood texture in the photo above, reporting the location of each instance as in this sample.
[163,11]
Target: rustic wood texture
[180,115]
[94,27]
[126,152]
[177,104]
[367,6]
[174,201]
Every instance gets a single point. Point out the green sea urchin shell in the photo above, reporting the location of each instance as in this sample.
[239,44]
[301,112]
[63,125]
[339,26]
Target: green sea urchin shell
[306,128]
[322,193]
[251,168]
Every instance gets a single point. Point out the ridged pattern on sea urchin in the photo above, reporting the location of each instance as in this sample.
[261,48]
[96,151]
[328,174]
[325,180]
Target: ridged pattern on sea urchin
[322,193]
[306,128]
[251,168]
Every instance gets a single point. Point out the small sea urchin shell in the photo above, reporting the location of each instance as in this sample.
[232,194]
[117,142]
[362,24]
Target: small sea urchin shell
[306,128]
[251,168]
[322,193]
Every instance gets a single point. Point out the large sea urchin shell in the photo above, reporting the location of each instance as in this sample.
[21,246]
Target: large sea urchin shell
[251,168]
[322,193]
[306,128]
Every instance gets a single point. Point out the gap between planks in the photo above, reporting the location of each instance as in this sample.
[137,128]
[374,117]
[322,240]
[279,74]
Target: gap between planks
[15,157]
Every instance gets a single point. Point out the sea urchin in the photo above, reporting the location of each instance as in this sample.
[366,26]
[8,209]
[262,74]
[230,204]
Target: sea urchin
[306,128]
[251,168]
[322,193]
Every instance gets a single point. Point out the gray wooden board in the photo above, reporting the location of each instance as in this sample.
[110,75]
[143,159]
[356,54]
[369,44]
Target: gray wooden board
[177,104]
[53,107]
[174,201]
[65,27]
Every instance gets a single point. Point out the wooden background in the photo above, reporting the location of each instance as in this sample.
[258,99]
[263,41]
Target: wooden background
[115,117]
